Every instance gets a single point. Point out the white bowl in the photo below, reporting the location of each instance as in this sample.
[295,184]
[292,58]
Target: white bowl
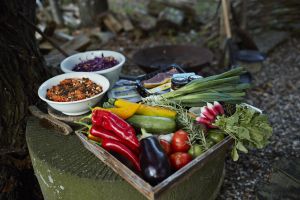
[112,74]
[74,107]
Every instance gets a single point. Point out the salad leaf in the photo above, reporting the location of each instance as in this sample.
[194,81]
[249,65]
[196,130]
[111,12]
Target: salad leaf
[247,127]
[234,154]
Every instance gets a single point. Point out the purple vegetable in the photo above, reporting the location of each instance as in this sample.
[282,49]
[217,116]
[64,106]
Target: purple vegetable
[96,64]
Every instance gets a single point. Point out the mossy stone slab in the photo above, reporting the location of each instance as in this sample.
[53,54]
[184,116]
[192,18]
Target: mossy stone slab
[66,170]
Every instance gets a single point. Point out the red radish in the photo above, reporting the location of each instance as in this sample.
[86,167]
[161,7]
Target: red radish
[207,114]
[212,109]
[211,126]
[203,120]
[219,107]
[203,116]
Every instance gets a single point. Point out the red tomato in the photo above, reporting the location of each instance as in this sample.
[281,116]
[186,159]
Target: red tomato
[180,141]
[180,159]
[166,146]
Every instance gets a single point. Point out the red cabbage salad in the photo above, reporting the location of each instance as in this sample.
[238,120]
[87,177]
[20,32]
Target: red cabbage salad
[96,64]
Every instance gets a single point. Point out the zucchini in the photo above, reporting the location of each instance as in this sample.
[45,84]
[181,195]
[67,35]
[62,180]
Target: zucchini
[153,124]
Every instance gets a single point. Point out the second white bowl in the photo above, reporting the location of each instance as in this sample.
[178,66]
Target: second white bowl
[112,74]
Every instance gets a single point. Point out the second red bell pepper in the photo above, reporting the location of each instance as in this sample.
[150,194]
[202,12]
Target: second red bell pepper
[118,126]
[115,146]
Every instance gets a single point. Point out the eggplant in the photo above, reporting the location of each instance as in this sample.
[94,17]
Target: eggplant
[154,162]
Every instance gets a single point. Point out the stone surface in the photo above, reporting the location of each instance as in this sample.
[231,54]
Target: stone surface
[268,40]
[66,170]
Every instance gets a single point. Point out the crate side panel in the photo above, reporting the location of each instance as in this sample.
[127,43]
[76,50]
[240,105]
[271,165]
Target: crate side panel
[202,184]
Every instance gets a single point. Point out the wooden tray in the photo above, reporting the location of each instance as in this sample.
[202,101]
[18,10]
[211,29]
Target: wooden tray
[153,193]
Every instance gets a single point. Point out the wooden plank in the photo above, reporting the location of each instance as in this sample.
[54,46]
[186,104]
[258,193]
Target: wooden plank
[132,178]
[142,186]
[49,121]
[78,43]
[281,187]
[125,21]
[54,59]
[290,168]
[112,23]
[187,171]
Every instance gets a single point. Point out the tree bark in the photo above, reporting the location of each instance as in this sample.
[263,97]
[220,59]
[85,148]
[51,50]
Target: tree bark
[90,9]
[21,72]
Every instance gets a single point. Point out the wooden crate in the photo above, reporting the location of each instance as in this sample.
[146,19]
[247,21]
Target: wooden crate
[172,181]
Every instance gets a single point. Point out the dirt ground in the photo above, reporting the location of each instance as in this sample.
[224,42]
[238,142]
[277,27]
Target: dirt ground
[276,90]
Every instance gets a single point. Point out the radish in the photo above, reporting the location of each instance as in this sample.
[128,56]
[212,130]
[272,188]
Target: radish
[207,114]
[212,109]
[203,120]
[167,137]
[218,107]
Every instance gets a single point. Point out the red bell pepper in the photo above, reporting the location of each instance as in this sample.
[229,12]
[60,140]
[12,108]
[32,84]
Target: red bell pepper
[118,126]
[115,146]
[103,134]
[99,132]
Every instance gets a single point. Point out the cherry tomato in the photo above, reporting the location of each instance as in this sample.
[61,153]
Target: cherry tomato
[180,159]
[216,137]
[166,146]
[180,141]
[195,150]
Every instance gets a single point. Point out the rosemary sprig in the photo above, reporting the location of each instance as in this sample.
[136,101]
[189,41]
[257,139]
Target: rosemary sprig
[185,120]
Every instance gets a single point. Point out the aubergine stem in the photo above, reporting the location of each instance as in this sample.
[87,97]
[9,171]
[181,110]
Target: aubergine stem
[145,134]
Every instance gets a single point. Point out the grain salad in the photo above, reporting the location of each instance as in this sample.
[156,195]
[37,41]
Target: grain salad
[73,89]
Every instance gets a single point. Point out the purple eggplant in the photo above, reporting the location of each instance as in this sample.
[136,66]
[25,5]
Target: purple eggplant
[154,162]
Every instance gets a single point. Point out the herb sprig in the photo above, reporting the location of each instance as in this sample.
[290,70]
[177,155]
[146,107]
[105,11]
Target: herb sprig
[184,119]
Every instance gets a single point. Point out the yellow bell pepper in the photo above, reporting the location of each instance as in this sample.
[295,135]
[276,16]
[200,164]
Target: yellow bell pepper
[145,109]
[124,112]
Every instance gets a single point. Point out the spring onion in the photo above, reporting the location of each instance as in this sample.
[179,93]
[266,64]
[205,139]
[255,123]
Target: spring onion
[225,87]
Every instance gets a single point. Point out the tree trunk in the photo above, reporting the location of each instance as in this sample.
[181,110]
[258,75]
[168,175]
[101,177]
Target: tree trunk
[21,72]
[90,9]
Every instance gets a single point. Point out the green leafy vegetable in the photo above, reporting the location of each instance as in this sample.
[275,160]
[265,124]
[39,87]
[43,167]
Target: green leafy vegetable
[248,127]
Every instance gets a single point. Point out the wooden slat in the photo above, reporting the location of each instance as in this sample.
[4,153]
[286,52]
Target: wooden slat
[132,178]
[71,47]
[77,44]
[190,168]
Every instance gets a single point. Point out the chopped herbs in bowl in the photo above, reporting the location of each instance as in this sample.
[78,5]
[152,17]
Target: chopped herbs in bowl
[96,64]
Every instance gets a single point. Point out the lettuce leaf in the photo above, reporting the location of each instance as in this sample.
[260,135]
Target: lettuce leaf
[247,127]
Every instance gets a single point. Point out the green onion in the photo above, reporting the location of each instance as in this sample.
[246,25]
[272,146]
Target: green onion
[224,87]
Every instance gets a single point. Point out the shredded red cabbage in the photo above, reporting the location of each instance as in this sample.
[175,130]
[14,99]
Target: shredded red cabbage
[96,64]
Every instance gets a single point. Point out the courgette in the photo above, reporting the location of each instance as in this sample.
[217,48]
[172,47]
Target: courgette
[153,124]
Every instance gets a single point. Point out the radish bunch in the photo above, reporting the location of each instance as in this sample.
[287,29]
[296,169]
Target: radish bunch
[209,113]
